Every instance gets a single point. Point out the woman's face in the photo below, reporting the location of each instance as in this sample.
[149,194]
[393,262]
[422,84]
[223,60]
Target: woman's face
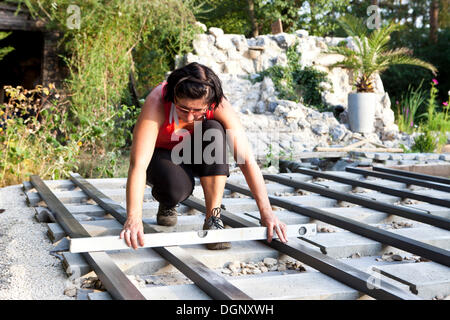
[189,110]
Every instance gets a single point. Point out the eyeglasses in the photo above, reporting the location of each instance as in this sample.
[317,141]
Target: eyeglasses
[195,112]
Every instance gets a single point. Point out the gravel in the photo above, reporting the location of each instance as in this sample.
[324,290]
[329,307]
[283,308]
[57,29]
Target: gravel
[27,270]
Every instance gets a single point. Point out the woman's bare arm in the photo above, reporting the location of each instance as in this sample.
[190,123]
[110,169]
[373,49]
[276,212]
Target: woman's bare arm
[244,157]
[144,138]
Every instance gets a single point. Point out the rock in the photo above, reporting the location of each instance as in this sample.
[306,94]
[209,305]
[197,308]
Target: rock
[396,257]
[223,42]
[339,132]
[355,255]
[70,291]
[201,25]
[319,129]
[226,271]
[302,33]
[446,148]
[216,32]
[270,262]
[264,269]
[234,266]
[281,267]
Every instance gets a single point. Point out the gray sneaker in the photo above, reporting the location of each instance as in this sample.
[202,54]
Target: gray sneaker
[214,223]
[166,216]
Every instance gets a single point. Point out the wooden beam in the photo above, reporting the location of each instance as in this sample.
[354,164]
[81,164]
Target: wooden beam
[108,243]
[114,280]
[206,279]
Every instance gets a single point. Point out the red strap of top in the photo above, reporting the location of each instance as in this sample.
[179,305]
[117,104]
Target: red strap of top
[163,140]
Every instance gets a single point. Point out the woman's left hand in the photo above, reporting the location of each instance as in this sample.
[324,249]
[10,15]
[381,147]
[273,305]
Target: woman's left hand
[271,221]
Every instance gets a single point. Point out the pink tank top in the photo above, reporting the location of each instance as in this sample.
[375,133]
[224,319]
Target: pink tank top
[167,129]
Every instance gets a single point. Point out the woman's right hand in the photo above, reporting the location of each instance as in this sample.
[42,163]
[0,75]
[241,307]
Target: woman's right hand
[133,231]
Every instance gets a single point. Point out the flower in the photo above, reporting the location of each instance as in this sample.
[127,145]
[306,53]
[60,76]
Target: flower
[445,103]
[435,81]
[412,123]
[80,143]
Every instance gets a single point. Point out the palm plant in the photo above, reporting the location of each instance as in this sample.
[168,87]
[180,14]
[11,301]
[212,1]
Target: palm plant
[372,55]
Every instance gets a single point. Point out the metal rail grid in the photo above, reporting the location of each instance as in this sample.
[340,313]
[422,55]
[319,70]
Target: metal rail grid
[218,287]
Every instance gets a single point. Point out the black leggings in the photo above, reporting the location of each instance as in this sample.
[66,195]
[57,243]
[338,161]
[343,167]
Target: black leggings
[172,183]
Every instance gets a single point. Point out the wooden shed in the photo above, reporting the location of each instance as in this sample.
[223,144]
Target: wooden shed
[35,57]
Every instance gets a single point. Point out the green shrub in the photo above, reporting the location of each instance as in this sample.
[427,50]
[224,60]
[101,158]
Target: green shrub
[406,109]
[4,50]
[435,119]
[116,39]
[425,143]
[34,138]
[297,83]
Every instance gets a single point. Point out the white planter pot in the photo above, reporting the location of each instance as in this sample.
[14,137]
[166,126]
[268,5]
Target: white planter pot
[361,111]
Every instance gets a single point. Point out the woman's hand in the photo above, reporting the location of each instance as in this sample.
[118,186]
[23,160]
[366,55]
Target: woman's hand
[133,230]
[271,221]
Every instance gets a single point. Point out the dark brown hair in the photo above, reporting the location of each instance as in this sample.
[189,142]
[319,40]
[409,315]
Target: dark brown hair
[194,81]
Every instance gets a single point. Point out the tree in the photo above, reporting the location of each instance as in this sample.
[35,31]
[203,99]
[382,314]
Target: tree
[434,20]
[251,10]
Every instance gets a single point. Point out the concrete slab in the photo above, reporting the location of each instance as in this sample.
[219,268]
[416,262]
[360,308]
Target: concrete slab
[75,264]
[308,286]
[55,232]
[381,156]
[432,156]
[390,162]
[71,197]
[377,196]
[395,156]
[345,174]
[273,188]
[103,183]
[370,155]
[434,193]
[408,162]
[298,176]
[409,156]
[99,296]
[426,279]
[149,209]
[360,214]
[288,217]
[332,185]
[313,200]
[344,244]
[432,209]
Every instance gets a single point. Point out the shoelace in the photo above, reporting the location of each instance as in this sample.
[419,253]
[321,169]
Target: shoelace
[214,219]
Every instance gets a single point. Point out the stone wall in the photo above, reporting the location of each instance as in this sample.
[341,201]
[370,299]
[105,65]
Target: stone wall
[290,126]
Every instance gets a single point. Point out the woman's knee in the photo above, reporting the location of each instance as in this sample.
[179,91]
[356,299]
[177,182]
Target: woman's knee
[172,193]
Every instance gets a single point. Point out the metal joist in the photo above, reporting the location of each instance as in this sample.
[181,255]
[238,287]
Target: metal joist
[408,181]
[114,280]
[206,279]
[372,186]
[415,175]
[337,270]
[408,213]
[404,243]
